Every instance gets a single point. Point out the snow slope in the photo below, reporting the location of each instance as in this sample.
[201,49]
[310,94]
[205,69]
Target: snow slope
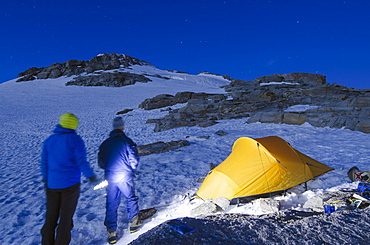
[30,110]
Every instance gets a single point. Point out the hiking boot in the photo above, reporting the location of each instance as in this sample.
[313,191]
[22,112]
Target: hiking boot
[112,236]
[135,224]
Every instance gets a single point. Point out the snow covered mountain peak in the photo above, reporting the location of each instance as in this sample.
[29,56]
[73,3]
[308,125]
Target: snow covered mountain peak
[76,67]
[116,70]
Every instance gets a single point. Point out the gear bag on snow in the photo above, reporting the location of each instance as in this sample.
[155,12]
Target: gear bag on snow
[356,175]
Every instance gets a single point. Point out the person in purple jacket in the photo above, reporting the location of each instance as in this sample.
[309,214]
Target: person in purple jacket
[119,158]
[63,158]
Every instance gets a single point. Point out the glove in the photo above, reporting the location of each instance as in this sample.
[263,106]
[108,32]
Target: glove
[45,185]
[93,179]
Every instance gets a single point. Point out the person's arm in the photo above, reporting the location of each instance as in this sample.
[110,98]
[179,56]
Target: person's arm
[80,156]
[133,156]
[101,161]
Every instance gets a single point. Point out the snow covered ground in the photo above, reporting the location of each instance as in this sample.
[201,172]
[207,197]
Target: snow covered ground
[30,110]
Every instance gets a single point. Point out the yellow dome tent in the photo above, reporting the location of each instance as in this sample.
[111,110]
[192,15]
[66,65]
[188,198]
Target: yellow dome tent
[259,166]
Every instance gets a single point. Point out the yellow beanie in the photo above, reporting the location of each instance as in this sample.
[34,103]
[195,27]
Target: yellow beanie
[68,120]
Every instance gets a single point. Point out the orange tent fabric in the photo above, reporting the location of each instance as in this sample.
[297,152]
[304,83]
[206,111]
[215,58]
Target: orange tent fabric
[259,166]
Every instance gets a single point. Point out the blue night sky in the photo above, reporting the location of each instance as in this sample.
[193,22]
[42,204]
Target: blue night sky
[244,39]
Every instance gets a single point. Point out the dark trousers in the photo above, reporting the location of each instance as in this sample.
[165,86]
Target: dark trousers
[114,193]
[60,204]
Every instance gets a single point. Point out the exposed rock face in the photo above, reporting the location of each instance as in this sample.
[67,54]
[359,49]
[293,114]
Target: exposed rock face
[77,67]
[304,79]
[164,100]
[266,99]
[116,79]
[160,147]
[158,101]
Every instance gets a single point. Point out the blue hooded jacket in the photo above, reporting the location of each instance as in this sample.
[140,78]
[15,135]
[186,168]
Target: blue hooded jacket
[118,156]
[63,158]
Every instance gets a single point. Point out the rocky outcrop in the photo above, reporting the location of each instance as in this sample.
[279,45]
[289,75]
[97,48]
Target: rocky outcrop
[164,100]
[114,79]
[124,111]
[199,112]
[160,147]
[77,67]
[266,99]
[159,101]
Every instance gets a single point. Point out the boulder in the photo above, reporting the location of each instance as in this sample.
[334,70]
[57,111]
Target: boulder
[194,99]
[294,118]
[363,126]
[32,72]
[183,97]
[222,203]
[26,78]
[361,101]
[159,101]
[315,203]
[267,117]
[221,133]
[195,106]
[337,122]
[43,74]
[268,205]
[205,209]
[209,207]
[124,111]
[170,123]
[161,147]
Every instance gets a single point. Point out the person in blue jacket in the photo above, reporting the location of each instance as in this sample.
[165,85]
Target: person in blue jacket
[119,157]
[63,158]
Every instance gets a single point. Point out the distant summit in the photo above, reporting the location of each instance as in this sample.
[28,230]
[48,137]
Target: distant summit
[77,67]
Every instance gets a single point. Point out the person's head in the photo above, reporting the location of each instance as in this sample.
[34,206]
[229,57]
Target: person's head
[118,123]
[68,120]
